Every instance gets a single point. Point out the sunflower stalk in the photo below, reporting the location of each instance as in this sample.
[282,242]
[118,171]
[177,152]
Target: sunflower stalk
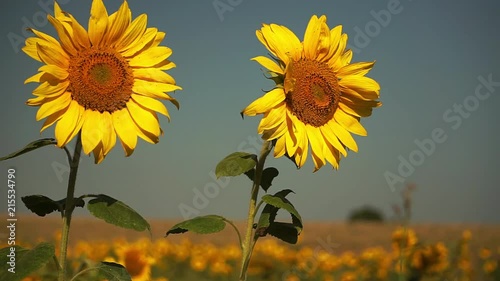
[249,242]
[70,206]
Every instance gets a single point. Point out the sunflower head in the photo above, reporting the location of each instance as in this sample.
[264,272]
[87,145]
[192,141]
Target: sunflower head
[102,82]
[319,96]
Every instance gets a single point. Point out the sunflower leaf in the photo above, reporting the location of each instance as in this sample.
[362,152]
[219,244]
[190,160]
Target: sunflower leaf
[267,178]
[41,205]
[20,263]
[117,213]
[201,225]
[29,147]
[235,164]
[113,271]
[287,232]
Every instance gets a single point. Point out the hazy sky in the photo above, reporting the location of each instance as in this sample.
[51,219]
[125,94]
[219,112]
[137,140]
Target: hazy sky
[434,61]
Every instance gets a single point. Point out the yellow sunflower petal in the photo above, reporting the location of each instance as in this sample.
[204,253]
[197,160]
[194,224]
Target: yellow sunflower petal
[144,118]
[343,135]
[55,71]
[151,104]
[69,124]
[52,106]
[80,35]
[64,36]
[335,36]
[159,37]
[98,23]
[332,155]
[154,89]
[366,87]
[316,140]
[350,123]
[266,102]
[51,119]
[269,64]
[275,132]
[108,135]
[316,38]
[50,55]
[280,41]
[272,118]
[118,24]
[334,61]
[279,148]
[98,152]
[137,46]
[49,90]
[92,133]
[332,139]
[125,129]
[150,57]
[154,75]
[357,69]
[133,33]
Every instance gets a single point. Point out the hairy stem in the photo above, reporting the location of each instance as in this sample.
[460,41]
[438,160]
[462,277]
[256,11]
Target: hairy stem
[249,241]
[69,207]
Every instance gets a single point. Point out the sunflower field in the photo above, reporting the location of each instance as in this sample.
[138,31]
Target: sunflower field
[160,260]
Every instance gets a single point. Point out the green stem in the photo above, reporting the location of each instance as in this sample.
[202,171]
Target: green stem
[248,243]
[237,231]
[70,206]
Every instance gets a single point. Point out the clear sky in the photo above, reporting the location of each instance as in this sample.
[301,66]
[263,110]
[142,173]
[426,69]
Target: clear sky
[431,58]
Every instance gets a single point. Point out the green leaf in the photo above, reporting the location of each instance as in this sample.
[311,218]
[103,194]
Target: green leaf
[201,225]
[31,146]
[287,232]
[235,164]
[116,212]
[279,201]
[113,271]
[26,261]
[43,205]
[268,176]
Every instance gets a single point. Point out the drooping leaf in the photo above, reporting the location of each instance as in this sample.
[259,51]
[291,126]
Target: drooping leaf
[235,164]
[117,213]
[29,147]
[113,271]
[201,225]
[279,201]
[25,261]
[287,232]
[268,175]
[43,205]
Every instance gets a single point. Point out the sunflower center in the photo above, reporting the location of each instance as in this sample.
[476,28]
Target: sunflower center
[312,91]
[100,79]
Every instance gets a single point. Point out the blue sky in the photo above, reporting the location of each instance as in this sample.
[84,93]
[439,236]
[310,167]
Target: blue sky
[436,128]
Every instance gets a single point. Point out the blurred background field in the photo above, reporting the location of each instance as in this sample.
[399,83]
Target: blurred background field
[325,251]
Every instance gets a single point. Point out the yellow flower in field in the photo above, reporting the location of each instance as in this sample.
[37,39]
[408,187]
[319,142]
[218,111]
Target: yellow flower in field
[403,239]
[484,253]
[102,82]
[490,266]
[135,258]
[319,96]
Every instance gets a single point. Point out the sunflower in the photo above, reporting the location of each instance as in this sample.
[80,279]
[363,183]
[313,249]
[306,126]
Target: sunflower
[319,96]
[102,82]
